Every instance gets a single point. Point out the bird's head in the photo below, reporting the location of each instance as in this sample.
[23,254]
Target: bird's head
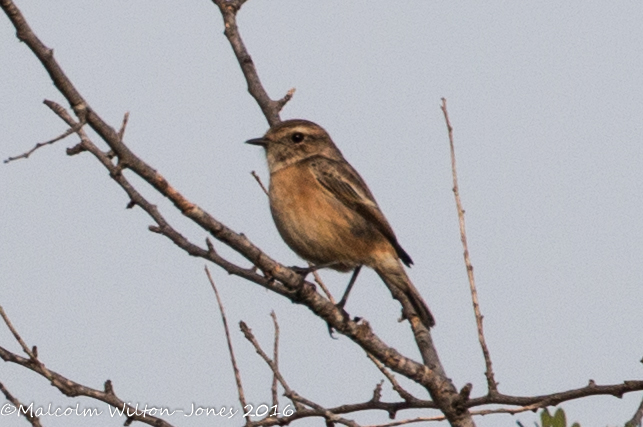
[295,140]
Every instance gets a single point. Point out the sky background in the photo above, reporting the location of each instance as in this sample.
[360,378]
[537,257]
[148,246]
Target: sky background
[546,102]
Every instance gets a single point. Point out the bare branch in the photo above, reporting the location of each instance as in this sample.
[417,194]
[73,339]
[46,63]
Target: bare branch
[492,385]
[408,397]
[617,390]
[235,368]
[322,285]
[275,369]
[33,420]
[287,97]
[410,421]
[72,389]
[121,132]
[275,359]
[331,417]
[636,419]
[269,107]
[258,179]
[26,154]
[17,336]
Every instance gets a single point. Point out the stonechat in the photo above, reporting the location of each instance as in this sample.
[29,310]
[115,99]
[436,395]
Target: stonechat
[325,212]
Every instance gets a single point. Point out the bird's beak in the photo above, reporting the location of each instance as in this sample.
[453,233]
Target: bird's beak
[258,141]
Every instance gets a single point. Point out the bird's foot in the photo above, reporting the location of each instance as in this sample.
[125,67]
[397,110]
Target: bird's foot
[302,271]
[346,318]
[305,271]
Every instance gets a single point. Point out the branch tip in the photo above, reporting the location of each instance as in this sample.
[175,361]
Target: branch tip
[109,387]
[492,385]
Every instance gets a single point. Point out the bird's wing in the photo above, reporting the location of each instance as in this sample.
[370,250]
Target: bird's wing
[343,182]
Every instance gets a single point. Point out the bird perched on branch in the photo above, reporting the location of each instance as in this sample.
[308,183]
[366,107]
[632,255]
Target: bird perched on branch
[325,212]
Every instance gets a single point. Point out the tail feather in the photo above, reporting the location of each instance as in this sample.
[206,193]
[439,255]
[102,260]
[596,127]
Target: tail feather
[393,274]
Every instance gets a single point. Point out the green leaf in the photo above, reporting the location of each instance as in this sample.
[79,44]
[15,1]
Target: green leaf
[559,419]
[546,418]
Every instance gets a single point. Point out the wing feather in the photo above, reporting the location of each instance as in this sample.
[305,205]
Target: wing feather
[340,179]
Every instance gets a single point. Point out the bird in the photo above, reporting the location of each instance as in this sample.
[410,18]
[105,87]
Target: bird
[327,215]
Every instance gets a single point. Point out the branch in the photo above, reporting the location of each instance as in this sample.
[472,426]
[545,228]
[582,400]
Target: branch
[33,420]
[73,389]
[256,177]
[235,368]
[269,107]
[492,385]
[297,400]
[32,353]
[408,397]
[591,389]
[247,332]
[26,154]
[636,419]
[275,358]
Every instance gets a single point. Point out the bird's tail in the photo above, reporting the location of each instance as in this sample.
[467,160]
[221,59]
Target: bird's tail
[395,277]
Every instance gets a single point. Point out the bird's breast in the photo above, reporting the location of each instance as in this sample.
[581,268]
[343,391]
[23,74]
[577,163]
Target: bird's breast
[317,225]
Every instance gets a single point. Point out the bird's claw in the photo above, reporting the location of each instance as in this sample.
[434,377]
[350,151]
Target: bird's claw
[346,318]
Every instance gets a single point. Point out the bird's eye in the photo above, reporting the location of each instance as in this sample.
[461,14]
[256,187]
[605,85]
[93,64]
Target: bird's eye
[297,137]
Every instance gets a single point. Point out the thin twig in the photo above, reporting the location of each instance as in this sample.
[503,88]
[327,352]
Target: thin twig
[321,284]
[636,419]
[16,335]
[283,101]
[26,154]
[269,107]
[511,411]
[254,174]
[408,397]
[331,417]
[33,420]
[410,421]
[237,374]
[275,358]
[247,332]
[72,389]
[121,132]
[491,382]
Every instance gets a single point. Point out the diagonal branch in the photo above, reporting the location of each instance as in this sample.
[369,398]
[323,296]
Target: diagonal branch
[64,135]
[636,419]
[269,107]
[33,420]
[29,352]
[72,389]
[408,397]
[492,385]
[235,368]
[247,332]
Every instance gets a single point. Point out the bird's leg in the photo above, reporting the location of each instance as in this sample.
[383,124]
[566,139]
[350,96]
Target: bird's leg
[305,271]
[342,302]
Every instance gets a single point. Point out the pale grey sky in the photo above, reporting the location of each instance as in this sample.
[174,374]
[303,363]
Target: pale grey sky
[546,101]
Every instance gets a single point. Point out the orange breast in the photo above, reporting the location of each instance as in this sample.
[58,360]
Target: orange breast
[316,225]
